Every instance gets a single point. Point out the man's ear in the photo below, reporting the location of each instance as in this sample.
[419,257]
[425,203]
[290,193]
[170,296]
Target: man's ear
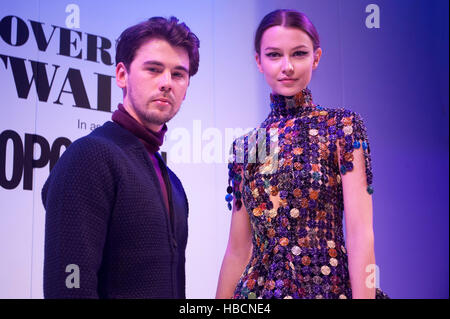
[121,75]
[258,62]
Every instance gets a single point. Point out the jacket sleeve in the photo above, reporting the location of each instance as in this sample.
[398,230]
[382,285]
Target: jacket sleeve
[78,197]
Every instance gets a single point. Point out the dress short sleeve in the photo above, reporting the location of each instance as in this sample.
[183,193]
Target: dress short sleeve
[235,174]
[355,137]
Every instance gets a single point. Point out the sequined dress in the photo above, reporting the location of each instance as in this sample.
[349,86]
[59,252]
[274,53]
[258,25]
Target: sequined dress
[287,173]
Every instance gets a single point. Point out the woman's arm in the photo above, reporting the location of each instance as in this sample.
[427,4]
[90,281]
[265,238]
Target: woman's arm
[359,228]
[237,254]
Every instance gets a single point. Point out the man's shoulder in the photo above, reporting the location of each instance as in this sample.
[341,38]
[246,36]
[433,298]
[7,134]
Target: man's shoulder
[101,145]
[106,137]
[111,133]
[99,153]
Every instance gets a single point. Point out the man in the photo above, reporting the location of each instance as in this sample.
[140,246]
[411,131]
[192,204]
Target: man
[116,215]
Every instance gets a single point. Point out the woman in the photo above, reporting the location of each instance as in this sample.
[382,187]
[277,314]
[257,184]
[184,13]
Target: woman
[286,238]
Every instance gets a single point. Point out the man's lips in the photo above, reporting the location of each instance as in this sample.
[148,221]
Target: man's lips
[163,101]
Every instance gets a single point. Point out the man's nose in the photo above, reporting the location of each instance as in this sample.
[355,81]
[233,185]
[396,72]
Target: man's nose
[165,81]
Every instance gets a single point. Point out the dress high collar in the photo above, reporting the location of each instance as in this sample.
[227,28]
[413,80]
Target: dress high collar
[291,105]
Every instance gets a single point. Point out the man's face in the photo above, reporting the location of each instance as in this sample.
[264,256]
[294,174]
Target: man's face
[155,83]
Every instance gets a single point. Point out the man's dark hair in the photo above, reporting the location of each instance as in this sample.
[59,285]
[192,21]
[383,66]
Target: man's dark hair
[177,34]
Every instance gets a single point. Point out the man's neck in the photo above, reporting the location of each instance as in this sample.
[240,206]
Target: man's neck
[151,126]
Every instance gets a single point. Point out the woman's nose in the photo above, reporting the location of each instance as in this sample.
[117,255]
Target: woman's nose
[288,68]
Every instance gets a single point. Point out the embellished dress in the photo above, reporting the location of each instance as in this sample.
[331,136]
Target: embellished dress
[287,174]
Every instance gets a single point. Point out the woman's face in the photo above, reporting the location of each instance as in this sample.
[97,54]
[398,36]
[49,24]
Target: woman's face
[287,59]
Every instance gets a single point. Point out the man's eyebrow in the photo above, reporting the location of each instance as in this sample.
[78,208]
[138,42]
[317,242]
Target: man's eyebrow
[153,62]
[182,68]
[158,63]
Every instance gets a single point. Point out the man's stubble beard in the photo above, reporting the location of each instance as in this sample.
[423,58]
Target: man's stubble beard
[157,117]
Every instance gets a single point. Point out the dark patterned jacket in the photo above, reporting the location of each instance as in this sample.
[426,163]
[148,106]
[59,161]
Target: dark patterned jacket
[105,216]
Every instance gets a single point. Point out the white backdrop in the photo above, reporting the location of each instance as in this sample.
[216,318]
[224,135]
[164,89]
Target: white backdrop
[202,120]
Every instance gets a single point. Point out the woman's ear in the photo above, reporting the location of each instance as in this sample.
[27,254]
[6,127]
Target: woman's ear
[258,62]
[317,55]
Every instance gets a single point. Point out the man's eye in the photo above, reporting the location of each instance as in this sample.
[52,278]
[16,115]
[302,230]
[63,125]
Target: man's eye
[156,70]
[178,75]
[273,54]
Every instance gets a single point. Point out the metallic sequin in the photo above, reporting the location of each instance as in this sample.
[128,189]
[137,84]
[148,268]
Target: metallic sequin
[273,213]
[284,241]
[296,250]
[325,270]
[297,192]
[306,260]
[332,252]
[333,262]
[347,130]
[257,211]
[294,212]
[346,121]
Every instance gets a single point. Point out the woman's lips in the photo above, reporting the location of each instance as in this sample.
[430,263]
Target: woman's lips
[287,81]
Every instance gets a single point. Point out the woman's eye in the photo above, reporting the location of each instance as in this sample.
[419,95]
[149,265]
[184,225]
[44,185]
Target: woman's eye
[272,54]
[300,53]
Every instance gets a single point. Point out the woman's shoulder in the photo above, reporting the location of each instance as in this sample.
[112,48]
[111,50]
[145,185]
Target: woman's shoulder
[340,116]
[336,111]
[245,147]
